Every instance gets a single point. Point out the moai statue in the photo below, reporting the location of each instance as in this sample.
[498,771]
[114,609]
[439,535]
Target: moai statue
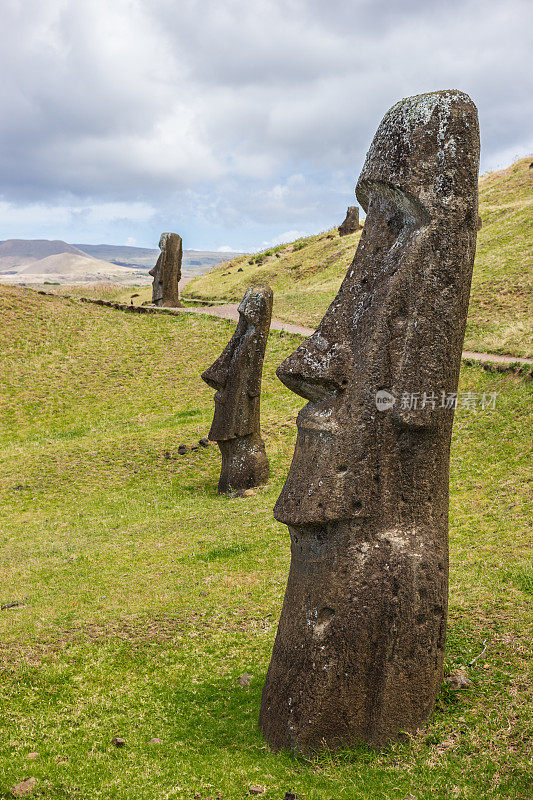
[351,223]
[359,650]
[236,376]
[167,272]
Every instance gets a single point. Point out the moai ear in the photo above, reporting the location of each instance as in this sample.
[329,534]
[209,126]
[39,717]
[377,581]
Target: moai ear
[424,368]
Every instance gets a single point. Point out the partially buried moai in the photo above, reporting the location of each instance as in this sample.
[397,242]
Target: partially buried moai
[236,376]
[359,650]
[167,272]
[351,223]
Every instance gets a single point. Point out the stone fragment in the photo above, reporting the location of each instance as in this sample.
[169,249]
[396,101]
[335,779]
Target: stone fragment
[24,788]
[257,790]
[182,449]
[458,680]
[33,756]
[245,679]
[155,740]
[290,796]
[244,493]
[358,655]
[351,223]
[118,741]
[167,272]
[236,376]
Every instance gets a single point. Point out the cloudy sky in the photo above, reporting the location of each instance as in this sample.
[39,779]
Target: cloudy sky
[235,123]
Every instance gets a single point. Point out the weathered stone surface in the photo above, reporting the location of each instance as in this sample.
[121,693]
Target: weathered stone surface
[359,651]
[167,272]
[351,223]
[236,376]
[458,680]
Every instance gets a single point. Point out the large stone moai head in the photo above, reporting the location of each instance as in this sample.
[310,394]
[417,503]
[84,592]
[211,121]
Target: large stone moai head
[236,376]
[167,272]
[359,651]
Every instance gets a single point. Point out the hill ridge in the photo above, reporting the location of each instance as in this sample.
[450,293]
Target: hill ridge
[306,274]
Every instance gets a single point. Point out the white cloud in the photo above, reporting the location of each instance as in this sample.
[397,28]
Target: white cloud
[283,238]
[225,116]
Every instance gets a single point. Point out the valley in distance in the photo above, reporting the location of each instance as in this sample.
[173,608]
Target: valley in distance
[39,261]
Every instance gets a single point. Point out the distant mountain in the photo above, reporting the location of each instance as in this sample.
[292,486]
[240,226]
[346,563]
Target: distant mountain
[36,260]
[198,261]
[21,252]
[72,265]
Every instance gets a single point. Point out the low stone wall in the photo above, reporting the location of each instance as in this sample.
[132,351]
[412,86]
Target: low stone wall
[128,308]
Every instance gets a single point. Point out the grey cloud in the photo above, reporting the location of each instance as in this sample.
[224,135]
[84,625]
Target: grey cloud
[211,107]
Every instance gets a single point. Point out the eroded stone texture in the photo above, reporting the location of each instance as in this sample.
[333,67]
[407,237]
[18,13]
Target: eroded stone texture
[351,223]
[236,376]
[359,651]
[167,272]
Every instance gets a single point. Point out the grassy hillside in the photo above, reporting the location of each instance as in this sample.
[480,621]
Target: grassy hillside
[145,595]
[306,275]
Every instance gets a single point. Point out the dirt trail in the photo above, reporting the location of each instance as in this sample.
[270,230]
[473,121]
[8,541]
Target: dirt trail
[230,311]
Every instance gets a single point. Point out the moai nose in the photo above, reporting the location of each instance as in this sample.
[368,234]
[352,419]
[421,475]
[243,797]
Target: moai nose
[217,374]
[317,369]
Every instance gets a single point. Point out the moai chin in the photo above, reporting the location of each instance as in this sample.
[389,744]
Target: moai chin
[351,223]
[236,376]
[167,272]
[359,650]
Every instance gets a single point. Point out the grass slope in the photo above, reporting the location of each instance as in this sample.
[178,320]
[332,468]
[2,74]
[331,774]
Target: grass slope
[306,275]
[146,595]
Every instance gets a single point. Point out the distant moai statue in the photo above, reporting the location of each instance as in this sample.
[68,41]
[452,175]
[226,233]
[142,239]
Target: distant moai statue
[167,272]
[351,223]
[236,376]
[359,651]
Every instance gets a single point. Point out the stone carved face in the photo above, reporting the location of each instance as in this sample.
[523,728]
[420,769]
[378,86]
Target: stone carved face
[236,374]
[387,328]
[167,269]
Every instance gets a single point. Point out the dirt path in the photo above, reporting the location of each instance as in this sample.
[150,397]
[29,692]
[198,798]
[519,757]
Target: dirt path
[230,311]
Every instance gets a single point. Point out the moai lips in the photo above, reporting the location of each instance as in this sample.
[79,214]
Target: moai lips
[360,645]
[167,272]
[236,377]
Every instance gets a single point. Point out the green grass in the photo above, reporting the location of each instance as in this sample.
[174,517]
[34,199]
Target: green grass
[306,275]
[146,595]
